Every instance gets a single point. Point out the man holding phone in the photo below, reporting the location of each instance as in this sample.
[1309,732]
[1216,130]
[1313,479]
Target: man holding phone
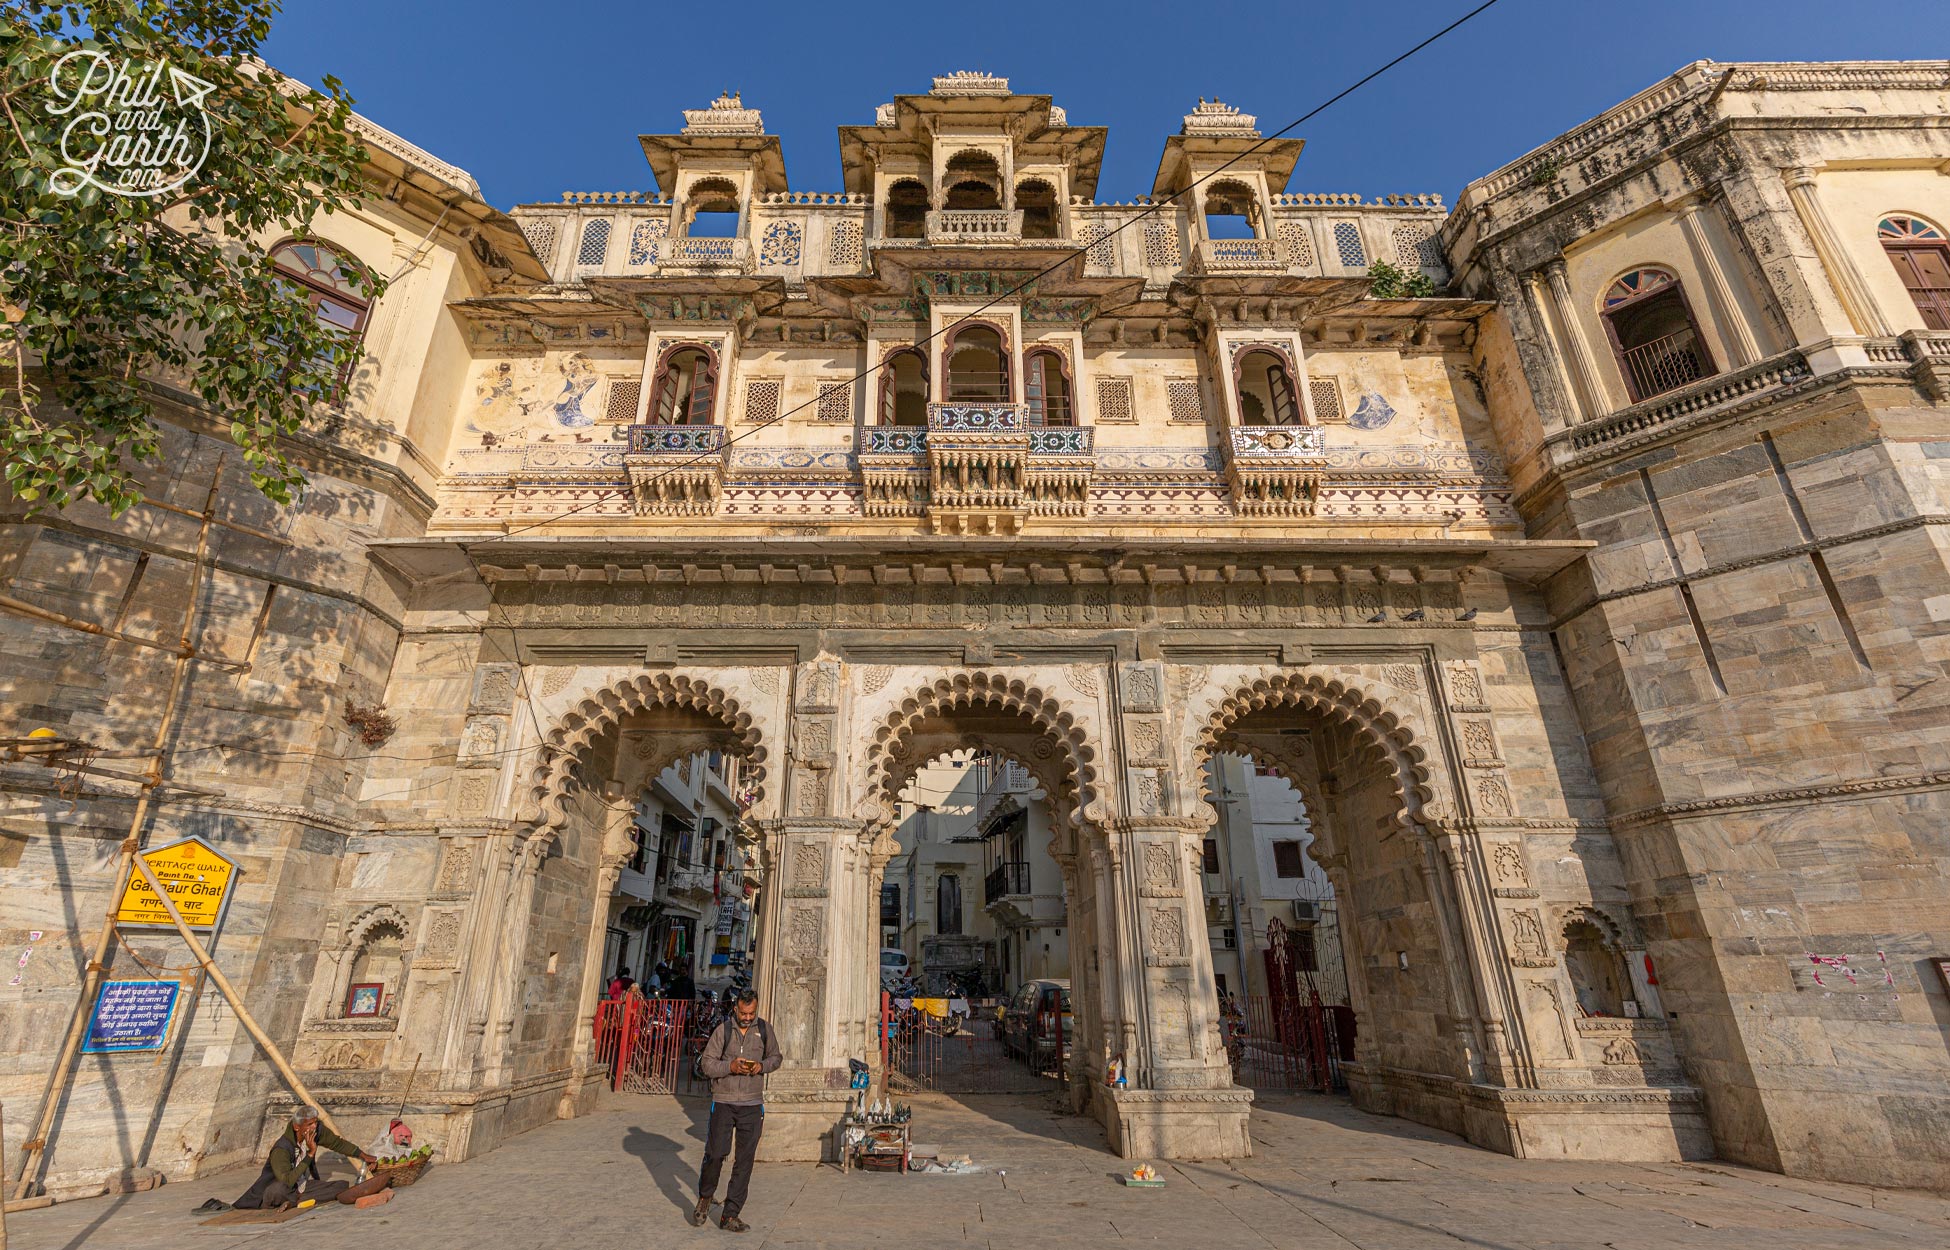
[736,1058]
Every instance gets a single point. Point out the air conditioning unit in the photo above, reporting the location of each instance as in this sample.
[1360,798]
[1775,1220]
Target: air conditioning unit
[1305,911]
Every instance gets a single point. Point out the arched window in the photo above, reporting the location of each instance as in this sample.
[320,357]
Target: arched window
[1231,211]
[712,212]
[904,389]
[947,904]
[1921,254]
[974,181]
[326,281]
[1046,389]
[1037,200]
[1597,969]
[685,387]
[907,210]
[1264,382]
[1653,333]
[977,366]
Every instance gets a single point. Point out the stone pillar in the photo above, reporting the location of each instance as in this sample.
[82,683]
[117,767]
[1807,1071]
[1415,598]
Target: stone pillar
[1584,369]
[479,965]
[1476,921]
[505,998]
[1850,286]
[813,959]
[1462,997]
[1735,334]
[1180,1102]
[1538,303]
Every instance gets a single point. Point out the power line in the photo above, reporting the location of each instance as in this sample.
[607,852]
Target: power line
[1155,207]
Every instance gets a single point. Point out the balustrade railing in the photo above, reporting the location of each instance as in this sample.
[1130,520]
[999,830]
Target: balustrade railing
[706,253]
[893,440]
[1665,364]
[662,440]
[1007,879]
[1278,442]
[1226,255]
[1056,440]
[974,418]
[975,225]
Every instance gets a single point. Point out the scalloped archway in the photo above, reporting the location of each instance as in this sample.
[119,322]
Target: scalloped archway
[677,715]
[994,712]
[1230,729]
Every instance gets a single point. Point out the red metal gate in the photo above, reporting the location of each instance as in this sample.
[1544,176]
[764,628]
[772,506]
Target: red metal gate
[641,1040]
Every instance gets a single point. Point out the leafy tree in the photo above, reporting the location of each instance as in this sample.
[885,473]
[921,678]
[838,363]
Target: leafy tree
[103,294]
[1387,282]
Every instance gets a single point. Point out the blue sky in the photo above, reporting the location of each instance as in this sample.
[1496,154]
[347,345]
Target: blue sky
[535,99]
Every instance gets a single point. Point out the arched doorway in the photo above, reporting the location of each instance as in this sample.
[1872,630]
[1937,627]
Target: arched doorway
[539,995]
[989,759]
[1409,981]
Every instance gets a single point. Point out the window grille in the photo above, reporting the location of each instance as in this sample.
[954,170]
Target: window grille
[1299,243]
[644,237]
[623,396]
[1161,244]
[1182,398]
[541,237]
[1114,402]
[762,401]
[595,242]
[1347,243]
[1326,396]
[844,250]
[835,402]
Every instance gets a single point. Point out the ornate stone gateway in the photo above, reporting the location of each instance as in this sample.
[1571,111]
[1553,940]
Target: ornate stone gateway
[1111,681]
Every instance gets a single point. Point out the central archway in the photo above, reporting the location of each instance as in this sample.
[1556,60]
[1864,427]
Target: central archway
[1015,721]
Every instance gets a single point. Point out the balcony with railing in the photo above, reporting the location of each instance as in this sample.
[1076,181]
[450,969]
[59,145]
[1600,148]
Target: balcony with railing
[1276,470]
[1008,879]
[675,470]
[1214,256]
[957,227]
[709,254]
[1665,364]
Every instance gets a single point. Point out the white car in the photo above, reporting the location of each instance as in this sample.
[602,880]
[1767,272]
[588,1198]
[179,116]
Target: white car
[893,967]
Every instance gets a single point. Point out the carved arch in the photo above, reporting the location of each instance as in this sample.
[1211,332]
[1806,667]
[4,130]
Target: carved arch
[567,746]
[1068,775]
[380,914]
[1336,701]
[1613,931]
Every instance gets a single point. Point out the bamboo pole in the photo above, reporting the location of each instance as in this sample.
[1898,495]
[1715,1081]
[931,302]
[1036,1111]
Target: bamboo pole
[230,992]
[22,608]
[36,1146]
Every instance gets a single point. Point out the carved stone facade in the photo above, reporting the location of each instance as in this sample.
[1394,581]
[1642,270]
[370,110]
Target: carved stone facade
[1603,707]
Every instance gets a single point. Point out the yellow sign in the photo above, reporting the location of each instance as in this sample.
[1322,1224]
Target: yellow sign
[197,878]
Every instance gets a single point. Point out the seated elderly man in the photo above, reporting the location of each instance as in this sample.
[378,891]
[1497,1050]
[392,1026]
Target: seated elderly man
[290,1174]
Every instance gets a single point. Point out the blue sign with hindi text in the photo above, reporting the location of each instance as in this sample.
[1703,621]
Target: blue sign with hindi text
[131,1015]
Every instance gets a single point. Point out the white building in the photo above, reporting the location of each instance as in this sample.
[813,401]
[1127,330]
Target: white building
[682,898]
[1257,869]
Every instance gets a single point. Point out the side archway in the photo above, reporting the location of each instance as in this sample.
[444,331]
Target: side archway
[676,714]
[1245,723]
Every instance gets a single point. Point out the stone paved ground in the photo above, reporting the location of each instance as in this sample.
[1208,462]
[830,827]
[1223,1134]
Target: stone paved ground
[1323,1175]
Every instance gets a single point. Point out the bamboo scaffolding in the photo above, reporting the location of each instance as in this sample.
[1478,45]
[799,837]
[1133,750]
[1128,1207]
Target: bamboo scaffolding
[35,1148]
[230,993]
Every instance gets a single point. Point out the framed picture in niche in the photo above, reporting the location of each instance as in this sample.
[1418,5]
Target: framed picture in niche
[362,998]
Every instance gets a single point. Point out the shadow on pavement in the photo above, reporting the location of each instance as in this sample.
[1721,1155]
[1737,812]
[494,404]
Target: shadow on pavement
[673,1163]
